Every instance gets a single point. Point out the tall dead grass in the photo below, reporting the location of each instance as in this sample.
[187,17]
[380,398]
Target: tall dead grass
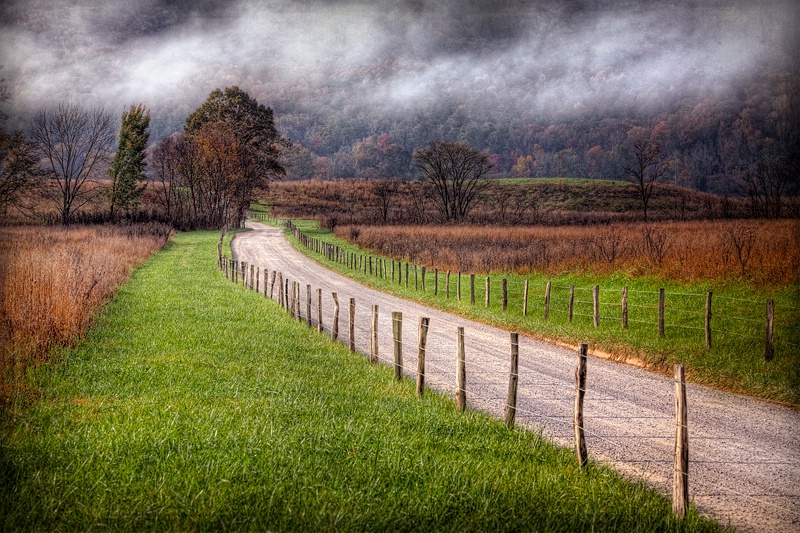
[766,253]
[54,280]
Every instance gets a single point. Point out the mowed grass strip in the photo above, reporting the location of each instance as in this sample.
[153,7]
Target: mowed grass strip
[196,404]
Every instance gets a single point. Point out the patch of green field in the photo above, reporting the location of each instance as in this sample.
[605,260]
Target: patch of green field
[196,404]
[735,361]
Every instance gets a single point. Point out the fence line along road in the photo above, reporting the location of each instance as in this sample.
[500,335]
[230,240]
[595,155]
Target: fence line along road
[743,455]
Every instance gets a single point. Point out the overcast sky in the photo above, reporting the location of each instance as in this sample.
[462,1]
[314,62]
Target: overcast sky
[537,55]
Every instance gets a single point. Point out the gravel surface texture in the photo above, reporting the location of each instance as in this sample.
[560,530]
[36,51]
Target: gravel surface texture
[744,454]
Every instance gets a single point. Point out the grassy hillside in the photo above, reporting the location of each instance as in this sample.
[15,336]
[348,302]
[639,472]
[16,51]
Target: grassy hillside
[507,201]
[196,404]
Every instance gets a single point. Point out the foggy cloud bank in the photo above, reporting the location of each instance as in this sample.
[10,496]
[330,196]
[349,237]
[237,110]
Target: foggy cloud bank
[536,58]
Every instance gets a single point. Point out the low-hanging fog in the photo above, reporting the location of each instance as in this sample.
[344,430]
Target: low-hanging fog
[370,67]
[533,56]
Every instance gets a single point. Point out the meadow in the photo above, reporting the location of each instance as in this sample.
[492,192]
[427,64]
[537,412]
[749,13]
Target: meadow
[765,253]
[197,404]
[54,281]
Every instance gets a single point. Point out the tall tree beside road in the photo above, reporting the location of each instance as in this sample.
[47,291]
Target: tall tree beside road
[456,172]
[129,163]
[73,146]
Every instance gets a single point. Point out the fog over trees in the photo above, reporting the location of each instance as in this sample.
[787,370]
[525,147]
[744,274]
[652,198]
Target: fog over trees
[546,88]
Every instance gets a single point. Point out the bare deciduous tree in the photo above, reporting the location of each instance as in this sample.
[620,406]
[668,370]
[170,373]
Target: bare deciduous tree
[645,167]
[73,145]
[457,173]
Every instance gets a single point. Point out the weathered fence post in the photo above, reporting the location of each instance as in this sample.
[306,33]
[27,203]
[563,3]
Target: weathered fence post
[319,310]
[308,305]
[525,299]
[423,337]
[580,390]
[488,292]
[513,379]
[335,326]
[373,336]
[680,485]
[447,285]
[436,282]
[571,301]
[280,289]
[596,305]
[416,279]
[708,319]
[423,279]
[625,307]
[461,374]
[504,294]
[258,278]
[266,281]
[252,275]
[660,312]
[351,326]
[458,286]
[406,275]
[769,349]
[472,289]
[547,301]
[397,335]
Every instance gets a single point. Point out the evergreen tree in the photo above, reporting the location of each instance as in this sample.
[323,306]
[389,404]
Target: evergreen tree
[127,169]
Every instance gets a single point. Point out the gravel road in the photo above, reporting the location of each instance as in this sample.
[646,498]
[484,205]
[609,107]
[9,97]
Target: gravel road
[744,454]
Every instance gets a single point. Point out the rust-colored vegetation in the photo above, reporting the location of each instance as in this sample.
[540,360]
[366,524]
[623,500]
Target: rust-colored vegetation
[766,253]
[54,280]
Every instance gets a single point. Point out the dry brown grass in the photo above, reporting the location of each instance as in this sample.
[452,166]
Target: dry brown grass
[766,253]
[54,280]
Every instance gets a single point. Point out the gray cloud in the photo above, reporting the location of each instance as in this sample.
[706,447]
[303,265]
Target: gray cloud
[537,57]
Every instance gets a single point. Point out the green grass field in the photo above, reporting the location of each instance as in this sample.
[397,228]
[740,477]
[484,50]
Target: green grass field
[734,362]
[196,404]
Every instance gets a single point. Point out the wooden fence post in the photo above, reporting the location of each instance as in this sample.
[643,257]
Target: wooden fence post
[280,289]
[708,319]
[423,279]
[504,294]
[423,337]
[406,275]
[351,326]
[571,301]
[769,349]
[416,279]
[335,327]
[680,485]
[580,391]
[319,310]
[513,379]
[547,301]
[447,285]
[252,276]
[525,299]
[625,307]
[435,281]
[392,270]
[373,330]
[397,335]
[660,312]
[258,278]
[458,286]
[596,305]
[472,289]
[308,305]
[461,374]
[286,294]
[266,281]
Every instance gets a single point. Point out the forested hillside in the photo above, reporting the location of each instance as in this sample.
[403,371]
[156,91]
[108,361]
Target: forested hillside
[546,88]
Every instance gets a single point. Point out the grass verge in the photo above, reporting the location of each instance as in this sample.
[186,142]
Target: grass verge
[735,362]
[195,404]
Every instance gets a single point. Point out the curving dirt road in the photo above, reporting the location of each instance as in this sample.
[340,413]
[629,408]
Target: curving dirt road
[744,454]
